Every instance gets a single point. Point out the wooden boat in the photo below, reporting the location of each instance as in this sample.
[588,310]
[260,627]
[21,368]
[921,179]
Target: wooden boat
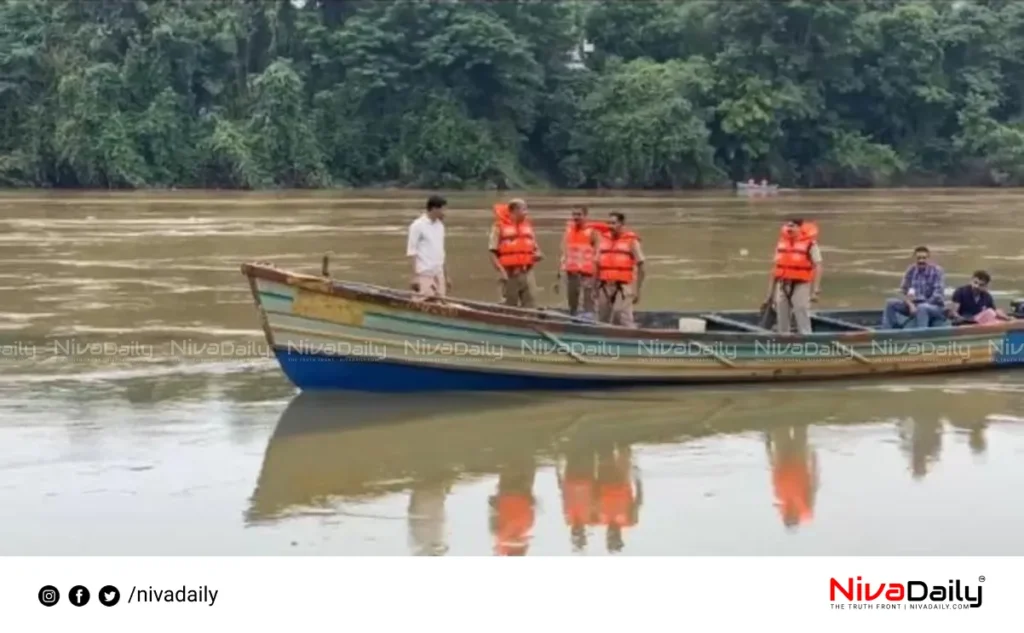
[333,334]
[331,447]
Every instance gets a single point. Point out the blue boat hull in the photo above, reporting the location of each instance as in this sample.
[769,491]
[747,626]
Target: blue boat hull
[312,372]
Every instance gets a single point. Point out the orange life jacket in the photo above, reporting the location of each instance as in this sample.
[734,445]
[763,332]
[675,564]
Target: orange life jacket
[616,504]
[502,214]
[515,520]
[793,254]
[578,501]
[615,257]
[792,483]
[579,249]
[517,247]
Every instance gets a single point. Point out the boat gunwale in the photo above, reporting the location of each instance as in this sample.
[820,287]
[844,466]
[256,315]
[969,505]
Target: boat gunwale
[496,314]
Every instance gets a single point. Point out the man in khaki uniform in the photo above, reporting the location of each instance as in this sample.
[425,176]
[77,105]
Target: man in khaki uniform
[795,282]
[514,252]
[619,274]
[578,263]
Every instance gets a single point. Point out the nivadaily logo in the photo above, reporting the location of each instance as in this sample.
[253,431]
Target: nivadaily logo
[905,595]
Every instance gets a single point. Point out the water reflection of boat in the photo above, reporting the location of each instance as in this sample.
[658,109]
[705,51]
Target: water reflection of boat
[359,445]
[329,449]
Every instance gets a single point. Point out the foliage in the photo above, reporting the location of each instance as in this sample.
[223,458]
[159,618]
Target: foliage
[461,93]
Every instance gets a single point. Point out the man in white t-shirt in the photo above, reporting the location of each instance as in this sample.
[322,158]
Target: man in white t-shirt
[426,250]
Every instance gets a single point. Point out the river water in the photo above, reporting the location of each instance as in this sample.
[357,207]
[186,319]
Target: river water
[140,413]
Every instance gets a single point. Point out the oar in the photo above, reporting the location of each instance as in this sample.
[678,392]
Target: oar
[561,345]
[768,315]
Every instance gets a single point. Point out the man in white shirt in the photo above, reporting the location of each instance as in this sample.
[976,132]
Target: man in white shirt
[426,250]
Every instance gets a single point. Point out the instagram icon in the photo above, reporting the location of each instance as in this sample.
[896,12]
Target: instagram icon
[49,596]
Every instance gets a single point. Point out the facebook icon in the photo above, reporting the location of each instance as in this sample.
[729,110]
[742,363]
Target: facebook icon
[79,596]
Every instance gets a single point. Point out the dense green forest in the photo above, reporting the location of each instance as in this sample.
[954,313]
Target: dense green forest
[450,93]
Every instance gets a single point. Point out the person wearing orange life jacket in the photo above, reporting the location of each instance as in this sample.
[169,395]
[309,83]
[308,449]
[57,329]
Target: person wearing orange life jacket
[619,271]
[794,474]
[619,494]
[796,275]
[514,253]
[578,261]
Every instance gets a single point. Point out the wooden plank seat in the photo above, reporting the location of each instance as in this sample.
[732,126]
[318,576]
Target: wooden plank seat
[834,322]
[733,323]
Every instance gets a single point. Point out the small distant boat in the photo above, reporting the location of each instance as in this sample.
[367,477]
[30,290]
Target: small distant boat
[345,335]
[752,187]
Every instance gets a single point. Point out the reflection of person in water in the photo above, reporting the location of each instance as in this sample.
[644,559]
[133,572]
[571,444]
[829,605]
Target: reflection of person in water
[923,441]
[577,483]
[618,501]
[600,487]
[975,435]
[427,518]
[512,509]
[794,474]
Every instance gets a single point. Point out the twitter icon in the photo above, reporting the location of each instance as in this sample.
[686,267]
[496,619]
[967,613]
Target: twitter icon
[109,596]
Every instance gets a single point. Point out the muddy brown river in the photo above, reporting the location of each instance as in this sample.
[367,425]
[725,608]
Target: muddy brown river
[140,412]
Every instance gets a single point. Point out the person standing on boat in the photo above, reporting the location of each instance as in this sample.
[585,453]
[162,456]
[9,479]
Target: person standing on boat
[514,253]
[619,272]
[578,263]
[796,275]
[426,250]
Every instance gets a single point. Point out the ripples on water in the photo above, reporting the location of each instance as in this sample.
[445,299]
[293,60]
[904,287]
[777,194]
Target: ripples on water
[186,439]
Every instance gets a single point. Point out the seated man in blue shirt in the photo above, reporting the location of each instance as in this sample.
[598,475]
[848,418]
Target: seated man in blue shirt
[973,303]
[923,300]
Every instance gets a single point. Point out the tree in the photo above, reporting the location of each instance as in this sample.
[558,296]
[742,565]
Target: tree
[461,93]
